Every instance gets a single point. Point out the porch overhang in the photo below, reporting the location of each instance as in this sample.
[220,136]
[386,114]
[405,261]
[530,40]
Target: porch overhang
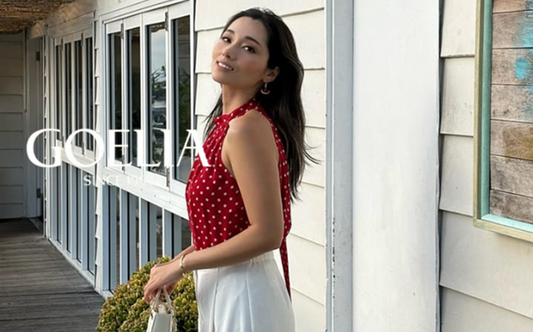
[15,15]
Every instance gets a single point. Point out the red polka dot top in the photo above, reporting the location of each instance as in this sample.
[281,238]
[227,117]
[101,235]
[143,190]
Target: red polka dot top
[214,203]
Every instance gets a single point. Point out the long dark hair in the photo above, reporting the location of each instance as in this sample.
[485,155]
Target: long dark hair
[284,103]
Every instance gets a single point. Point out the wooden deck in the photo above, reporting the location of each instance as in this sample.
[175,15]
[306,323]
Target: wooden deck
[39,289]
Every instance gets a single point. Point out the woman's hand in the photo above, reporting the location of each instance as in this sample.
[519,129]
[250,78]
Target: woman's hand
[162,275]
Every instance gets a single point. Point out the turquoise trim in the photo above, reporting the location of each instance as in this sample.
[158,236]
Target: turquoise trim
[485,128]
[523,226]
[484,157]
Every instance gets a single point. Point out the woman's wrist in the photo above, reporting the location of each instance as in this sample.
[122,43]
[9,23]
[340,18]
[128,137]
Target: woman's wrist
[182,264]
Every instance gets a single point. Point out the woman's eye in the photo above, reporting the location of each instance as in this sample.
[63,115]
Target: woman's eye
[249,49]
[226,39]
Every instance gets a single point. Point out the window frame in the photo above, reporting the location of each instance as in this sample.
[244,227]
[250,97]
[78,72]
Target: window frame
[175,13]
[149,18]
[131,23]
[83,154]
[143,20]
[482,129]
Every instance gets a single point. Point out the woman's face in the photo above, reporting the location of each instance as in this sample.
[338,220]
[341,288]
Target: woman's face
[241,55]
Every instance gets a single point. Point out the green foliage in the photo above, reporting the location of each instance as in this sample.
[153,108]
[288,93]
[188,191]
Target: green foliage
[126,310]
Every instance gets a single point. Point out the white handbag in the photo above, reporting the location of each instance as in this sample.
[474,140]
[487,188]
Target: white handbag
[162,315]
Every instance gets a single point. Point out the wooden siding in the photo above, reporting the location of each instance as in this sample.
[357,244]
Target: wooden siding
[484,276]
[502,6]
[489,266]
[458,28]
[458,97]
[456,183]
[512,127]
[11,126]
[462,313]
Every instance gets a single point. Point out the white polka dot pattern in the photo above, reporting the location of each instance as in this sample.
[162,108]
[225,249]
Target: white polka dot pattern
[214,202]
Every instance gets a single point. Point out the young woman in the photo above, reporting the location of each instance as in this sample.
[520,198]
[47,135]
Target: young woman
[239,206]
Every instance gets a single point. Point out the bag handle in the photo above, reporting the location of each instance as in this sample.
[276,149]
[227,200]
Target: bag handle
[154,304]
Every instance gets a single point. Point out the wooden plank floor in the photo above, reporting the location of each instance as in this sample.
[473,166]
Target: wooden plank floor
[39,289]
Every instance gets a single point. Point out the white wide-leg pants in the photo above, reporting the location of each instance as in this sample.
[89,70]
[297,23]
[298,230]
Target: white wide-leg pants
[246,297]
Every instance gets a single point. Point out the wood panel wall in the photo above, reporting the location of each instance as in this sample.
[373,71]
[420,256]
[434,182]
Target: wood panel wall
[511,143]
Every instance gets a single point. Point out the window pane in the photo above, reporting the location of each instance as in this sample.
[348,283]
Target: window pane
[68,219]
[134,91]
[115,95]
[114,237]
[77,216]
[91,227]
[68,90]
[89,92]
[157,95]
[181,233]
[78,111]
[58,190]
[182,96]
[58,89]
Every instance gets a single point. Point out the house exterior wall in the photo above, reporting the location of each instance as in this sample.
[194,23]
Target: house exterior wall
[12,116]
[484,276]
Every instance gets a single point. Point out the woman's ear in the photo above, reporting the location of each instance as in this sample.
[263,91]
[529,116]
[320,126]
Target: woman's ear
[271,74]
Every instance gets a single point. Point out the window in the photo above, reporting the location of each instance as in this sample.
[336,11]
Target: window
[157,95]
[58,88]
[115,89]
[133,45]
[182,95]
[503,140]
[68,89]
[78,80]
[89,97]
[148,80]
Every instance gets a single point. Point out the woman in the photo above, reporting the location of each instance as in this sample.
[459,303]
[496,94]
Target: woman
[239,207]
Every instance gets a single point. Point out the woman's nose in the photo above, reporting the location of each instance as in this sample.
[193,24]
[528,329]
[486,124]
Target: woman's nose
[228,51]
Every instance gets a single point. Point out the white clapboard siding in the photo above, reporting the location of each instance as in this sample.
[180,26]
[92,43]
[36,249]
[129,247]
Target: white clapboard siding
[307,264]
[207,94]
[11,126]
[458,97]
[309,214]
[310,35]
[214,14]
[11,140]
[459,28]
[11,195]
[11,85]
[308,31]
[315,173]
[11,176]
[308,313]
[462,313]
[11,67]
[11,49]
[486,265]
[10,211]
[313,95]
[457,175]
[314,98]
[204,53]
[11,103]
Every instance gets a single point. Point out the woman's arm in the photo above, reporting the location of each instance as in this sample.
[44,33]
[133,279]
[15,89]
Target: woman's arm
[252,158]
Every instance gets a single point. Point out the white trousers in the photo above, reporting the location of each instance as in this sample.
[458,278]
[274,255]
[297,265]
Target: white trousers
[246,297]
